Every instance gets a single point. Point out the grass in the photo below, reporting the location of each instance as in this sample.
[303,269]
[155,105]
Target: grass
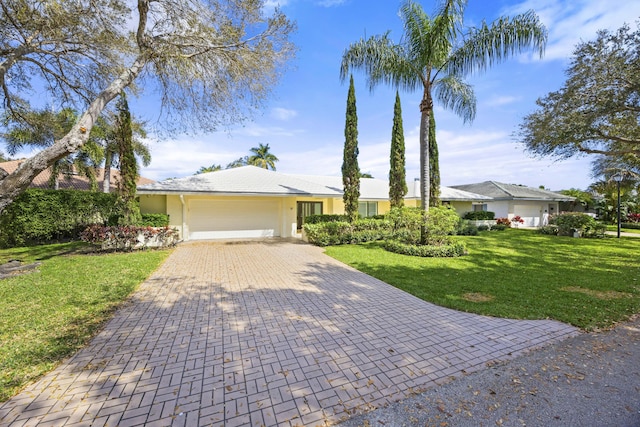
[520,274]
[624,230]
[48,314]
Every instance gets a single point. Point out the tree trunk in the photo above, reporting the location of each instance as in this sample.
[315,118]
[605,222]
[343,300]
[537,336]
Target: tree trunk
[426,107]
[14,184]
[106,180]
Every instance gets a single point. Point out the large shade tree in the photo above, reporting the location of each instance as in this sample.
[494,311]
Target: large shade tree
[435,54]
[597,111]
[210,60]
[48,126]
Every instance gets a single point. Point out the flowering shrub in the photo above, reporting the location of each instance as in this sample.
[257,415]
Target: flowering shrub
[633,217]
[128,237]
[503,221]
[517,220]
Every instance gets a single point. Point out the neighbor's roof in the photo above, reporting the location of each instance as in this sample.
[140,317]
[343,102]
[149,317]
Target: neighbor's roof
[500,191]
[447,194]
[251,180]
[71,182]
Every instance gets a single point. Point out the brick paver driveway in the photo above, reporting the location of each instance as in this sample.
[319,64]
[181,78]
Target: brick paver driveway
[264,333]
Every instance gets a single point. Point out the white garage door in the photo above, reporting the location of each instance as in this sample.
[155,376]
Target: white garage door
[530,214]
[225,219]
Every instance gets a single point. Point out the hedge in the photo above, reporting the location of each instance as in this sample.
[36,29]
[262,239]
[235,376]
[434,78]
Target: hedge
[38,216]
[479,215]
[342,232]
[155,220]
[454,249]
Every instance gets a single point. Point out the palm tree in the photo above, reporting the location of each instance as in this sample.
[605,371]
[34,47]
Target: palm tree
[104,132]
[262,158]
[206,169]
[435,54]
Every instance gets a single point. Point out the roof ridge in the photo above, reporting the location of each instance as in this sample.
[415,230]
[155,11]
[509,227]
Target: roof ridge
[500,186]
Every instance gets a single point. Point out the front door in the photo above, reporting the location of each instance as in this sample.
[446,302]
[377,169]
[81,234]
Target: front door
[307,208]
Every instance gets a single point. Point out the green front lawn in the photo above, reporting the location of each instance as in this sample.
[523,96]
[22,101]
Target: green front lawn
[520,274]
[48,314]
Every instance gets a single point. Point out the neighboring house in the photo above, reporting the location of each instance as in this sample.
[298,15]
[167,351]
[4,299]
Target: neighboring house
[249,202]
[533,205]
[74,181]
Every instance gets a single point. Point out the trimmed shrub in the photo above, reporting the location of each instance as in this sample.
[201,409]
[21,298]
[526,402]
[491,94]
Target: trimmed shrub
[483,228]
[499,227]
[549,229]
[318,219]
[572,221]
[454,249]
[40,216]
[154,220]
[479,215]
[465,228]
[440,222]
[342,232]
[630,225]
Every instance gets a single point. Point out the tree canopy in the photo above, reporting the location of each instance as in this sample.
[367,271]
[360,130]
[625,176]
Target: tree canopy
[597,111]
[210,61]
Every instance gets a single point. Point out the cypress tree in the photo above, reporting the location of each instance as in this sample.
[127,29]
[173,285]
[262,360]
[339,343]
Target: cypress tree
[350,169]
[128,163]
[434,164]
[397,173]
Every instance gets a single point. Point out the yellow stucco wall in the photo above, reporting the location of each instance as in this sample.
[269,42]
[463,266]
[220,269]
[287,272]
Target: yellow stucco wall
[178,209]
[153,204]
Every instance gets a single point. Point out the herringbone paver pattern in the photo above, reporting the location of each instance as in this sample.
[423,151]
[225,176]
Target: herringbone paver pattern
[263,334]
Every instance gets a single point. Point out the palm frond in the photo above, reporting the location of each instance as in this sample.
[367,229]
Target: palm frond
[382,61]
[485,46]
[456,95]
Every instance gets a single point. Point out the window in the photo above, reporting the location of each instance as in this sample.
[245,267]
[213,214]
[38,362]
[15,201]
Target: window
[479,207]
[367,209]
[307,208]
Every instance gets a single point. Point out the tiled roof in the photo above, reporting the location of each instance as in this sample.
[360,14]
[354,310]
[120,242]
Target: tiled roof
[501,191]
[251,180]
[75,182]
[247,180]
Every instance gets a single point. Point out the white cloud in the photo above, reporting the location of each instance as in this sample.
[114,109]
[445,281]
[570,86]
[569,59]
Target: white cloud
[570,22]
[283,114]
[330,3]
[498,101]
[184,156]
[254,130]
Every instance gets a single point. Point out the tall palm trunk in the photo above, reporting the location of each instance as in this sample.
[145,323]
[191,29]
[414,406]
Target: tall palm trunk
[426,108]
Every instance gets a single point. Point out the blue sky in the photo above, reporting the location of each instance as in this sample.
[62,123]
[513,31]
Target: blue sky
[304,120]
